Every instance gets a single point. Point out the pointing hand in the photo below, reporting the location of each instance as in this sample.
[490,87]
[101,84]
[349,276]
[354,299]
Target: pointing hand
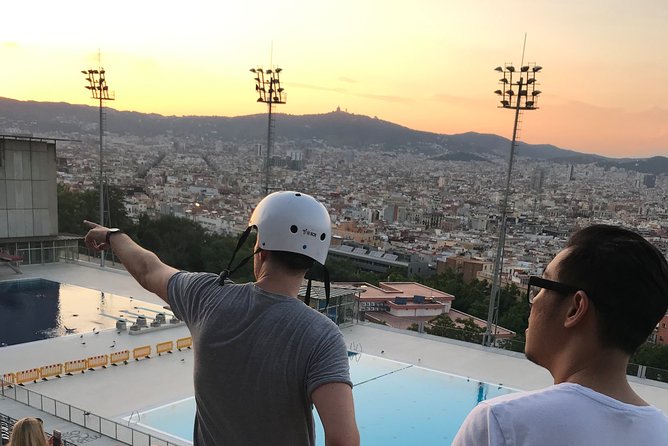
[96,236]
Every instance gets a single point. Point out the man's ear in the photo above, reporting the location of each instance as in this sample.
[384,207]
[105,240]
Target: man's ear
[578,308]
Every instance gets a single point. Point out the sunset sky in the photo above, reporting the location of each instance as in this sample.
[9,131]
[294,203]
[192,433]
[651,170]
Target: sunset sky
[424,64]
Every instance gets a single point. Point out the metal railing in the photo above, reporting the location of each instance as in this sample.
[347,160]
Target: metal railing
[647,372]
[83,418]
[640,371]
[43,251]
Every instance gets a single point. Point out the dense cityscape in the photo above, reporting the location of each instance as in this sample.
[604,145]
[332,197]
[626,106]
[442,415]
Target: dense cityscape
[421,209]
[421,227]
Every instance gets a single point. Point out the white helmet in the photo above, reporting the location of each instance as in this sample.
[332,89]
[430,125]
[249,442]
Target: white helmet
[293,222]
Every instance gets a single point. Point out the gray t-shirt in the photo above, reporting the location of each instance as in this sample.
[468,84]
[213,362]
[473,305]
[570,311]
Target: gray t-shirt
[258,358]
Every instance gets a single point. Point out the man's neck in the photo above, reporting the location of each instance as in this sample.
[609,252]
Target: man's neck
[285,285]
[605,373]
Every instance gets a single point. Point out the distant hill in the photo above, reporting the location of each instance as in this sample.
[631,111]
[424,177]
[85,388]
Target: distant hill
[653,165]
[334,129]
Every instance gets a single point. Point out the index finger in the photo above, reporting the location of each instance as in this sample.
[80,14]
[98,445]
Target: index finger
[90,224]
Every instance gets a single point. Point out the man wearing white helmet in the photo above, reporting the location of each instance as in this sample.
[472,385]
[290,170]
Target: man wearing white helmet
[262,357]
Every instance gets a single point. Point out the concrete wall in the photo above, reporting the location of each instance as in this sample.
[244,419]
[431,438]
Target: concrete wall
[412,311]
[28,197]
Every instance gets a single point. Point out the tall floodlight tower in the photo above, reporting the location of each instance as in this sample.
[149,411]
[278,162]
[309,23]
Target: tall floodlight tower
[269,90]
[518,93]
[97,84]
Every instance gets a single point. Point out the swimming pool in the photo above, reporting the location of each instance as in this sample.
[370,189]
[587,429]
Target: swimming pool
[395,404]
[36,309]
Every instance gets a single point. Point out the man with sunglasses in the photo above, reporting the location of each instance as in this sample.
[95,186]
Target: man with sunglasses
[597,302]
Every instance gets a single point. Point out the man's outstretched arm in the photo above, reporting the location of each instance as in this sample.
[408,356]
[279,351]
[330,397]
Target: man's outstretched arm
[145,267]
[334,402]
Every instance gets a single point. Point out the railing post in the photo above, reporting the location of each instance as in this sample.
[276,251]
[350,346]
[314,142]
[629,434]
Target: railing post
[642,369]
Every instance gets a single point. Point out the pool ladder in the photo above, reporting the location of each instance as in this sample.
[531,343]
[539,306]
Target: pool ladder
[132,415]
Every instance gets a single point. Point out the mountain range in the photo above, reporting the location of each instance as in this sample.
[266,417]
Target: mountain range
[333,129]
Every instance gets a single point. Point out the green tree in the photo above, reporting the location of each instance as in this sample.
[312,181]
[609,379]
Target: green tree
[652,355]
[471,298]
[516,344]
[217,252]
[396,275]
[470,330]
[463,329]
[344,271]
[176,241]
[513,309]
[76,206]
[442,320]
[72,210]
[185,244]
[115,202]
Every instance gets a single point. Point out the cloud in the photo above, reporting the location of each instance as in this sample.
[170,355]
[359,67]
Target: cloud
[459,100]
[378,97]
[318,87]
[347,80]
[387,98]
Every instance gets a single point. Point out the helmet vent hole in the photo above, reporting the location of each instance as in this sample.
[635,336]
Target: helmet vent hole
[304,247]
[298,195]
[293,229]
[264,243]
[322,236]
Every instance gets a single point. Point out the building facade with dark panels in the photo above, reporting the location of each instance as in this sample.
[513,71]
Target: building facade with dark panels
[367,260]
[379,261]
[28,196]
[343,302]
[29,201]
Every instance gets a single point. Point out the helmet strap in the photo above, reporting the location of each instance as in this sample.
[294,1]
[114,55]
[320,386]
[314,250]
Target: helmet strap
[226,273]
[307,297]
[326,272]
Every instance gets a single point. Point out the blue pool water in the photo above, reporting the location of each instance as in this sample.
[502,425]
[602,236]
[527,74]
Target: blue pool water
[395,404]
[36,309]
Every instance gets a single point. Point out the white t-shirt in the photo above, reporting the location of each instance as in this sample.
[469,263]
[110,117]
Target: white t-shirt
[562,415]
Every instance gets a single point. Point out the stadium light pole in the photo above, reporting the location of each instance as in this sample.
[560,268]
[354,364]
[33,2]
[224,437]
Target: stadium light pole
[269,90]
[97,85]
[518,93]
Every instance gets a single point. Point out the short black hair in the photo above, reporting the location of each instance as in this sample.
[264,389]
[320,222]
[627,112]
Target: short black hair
[626,278]
[292,261]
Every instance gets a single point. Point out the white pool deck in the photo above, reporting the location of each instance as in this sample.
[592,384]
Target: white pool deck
[115,392]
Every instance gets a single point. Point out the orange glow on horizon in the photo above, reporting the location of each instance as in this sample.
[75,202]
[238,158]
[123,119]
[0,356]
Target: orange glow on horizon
[427,66]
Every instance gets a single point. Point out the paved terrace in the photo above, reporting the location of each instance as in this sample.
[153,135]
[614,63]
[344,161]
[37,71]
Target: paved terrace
[116,392]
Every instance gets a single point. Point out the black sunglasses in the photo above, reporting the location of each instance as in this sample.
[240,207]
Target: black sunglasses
[537,283]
